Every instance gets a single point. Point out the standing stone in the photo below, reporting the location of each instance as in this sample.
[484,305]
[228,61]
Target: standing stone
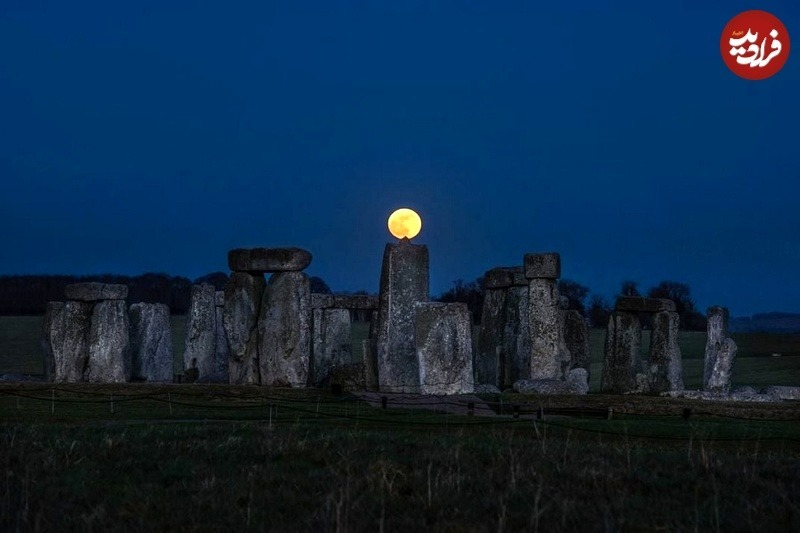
[516,339]
[622,359]
[243,294]
[490,359]
[331,342]
[151,343]
[370,364]
[720,352]
[72,353]
[284,330]
[404,283]
[221,346]
[665,354]
[443,334]
[109,344]
[549,354]
[201,344]
[576,337]
[52,334]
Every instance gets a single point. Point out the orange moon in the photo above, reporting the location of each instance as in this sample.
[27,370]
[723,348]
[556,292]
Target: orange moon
[405,223]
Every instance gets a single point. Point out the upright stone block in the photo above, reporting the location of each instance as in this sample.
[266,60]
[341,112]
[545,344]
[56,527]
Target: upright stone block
[622,359]
[151,343]
[222,350]
[72,354]
[720,352]
[549,355]
[576,337]
[404,284]
[284,330]
[443,335]
[243,294]
[543,266]
[490,359]
[370,364]
[109,344]
[665,372]
[516,351]
[331,342]
[52,335]
[201,343]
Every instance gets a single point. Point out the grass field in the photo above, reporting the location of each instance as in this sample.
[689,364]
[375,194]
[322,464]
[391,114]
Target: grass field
[247,458]
[217,457]
[20,352]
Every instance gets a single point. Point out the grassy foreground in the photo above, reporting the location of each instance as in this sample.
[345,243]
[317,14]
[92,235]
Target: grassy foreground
[246,458]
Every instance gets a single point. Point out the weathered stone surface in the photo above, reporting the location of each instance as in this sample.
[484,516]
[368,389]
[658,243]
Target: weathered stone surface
[268,259]
[782,392]
[745,390]
[355,301]
[443,334]
[219,298]
[490,357]
[636,304]
[563,303]
[95,292]
[331,345]
[222,349]
[321,301]
[71,354]
[109,344]
[201,339]
[576,337]
[720,396]
[52,334]
[622,359]
[720,352]
[404,283]
[516,347]
[543,266]
[665,368]
[243,294]
[550,358]
[284,330]
[151,342]
[500,277]
[370,365]
[577,382]
[486,389]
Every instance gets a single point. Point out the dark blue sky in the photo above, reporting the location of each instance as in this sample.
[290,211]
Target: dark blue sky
[158,135]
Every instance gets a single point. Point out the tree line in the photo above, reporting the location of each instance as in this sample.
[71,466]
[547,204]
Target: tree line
[28,295]
[598,309]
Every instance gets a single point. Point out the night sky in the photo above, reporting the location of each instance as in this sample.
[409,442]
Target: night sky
[155,136]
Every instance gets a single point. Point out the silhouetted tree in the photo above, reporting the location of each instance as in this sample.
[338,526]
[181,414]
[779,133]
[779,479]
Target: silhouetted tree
[599,311]
[469,293]
[319,286]
[217,279]
[575,292]
[629,288]
[681,294]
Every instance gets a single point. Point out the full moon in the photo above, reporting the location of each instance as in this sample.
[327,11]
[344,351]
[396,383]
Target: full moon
[405,223]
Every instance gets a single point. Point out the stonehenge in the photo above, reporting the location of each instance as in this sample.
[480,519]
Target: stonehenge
[404,284]
[623,370]
[720,352]
[272,331]
[151,343]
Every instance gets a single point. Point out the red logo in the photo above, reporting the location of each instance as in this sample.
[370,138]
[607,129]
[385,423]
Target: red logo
[754,45]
